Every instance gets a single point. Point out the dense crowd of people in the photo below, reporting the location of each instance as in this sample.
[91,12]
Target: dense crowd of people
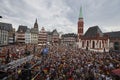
[68,63]
[64,63]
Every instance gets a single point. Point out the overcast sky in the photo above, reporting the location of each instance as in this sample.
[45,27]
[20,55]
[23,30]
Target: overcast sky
[62,14]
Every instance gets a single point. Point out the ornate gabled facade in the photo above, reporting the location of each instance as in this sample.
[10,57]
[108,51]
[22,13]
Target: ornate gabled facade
[34,33]
[55,36]
[20,34]
[93,39]
[42,36]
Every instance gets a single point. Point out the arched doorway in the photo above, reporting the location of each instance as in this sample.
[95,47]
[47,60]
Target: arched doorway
[116,45]
[93,44]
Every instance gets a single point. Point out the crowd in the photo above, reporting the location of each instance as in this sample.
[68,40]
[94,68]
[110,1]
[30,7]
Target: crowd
[63,63]
[14,52]
[68,63]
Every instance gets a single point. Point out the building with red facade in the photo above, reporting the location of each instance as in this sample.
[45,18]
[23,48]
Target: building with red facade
[93,39]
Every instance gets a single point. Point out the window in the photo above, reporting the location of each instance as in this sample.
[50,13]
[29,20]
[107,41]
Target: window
[87,43]
[93,44]
[100,44]
[116,45]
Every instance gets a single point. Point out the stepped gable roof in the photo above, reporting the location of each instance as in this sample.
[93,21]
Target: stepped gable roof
[93,31]
[115,34]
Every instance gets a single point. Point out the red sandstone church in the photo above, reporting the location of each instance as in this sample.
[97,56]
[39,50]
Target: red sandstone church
[94,39]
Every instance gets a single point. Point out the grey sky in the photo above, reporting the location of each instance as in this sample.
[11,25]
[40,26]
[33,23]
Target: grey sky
[62,14]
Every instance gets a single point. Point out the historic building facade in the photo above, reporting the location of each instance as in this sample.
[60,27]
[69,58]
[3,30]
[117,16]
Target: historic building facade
[49,37]
[6,34]
[3,34]
[93,39]
[34,33]
[28,36]
[11,34]
[42,37]
[53,37]
[114,40]
[69,39]
[20,34]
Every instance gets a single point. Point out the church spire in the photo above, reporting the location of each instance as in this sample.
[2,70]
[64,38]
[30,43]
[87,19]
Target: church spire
[80,24]
[36,24]
[36,20]
[80,14]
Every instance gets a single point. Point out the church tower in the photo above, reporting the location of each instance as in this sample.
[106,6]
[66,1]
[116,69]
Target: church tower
[36,24]
[80,24]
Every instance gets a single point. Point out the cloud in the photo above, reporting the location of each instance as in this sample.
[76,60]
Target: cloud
[103,13]
[61,14]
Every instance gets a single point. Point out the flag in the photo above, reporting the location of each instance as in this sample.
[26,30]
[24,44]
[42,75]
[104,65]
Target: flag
[45,51]
[19,71]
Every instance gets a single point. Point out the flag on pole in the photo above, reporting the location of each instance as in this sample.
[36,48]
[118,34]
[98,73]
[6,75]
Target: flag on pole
[45,51]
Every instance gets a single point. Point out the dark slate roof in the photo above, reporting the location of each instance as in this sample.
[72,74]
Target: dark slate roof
[113,34]
[49,33]
[28,30]
[70,35]
[93,31]
[22,28]
[6,26]
[55,32]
